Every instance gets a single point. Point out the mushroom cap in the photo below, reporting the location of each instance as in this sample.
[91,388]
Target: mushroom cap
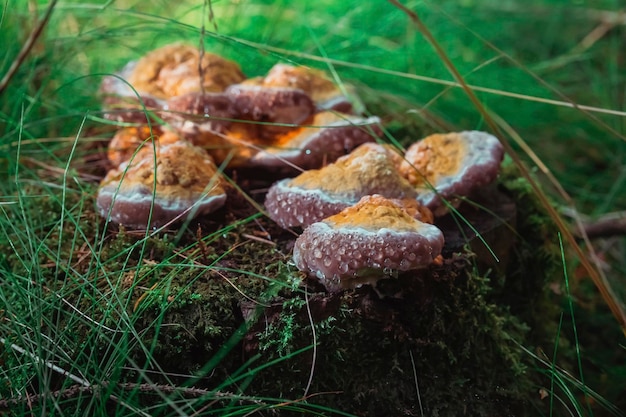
[174,70]
[273,106]
[170,71]
[235,124]
[444,166]
[122,103]
[371,240]
[129,140]
[201,118]
[328,136]
[319,193]
[185,182]
[325,94]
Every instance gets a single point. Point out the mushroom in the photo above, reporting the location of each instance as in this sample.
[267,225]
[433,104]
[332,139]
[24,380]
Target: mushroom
[241,116]
[325,94]
[278,108]
[122,103]
[319,193]
[203,119]
[374,239]
[129,140]
[170,71]
[329,136]
[447,166]
[177,69]
[184,183]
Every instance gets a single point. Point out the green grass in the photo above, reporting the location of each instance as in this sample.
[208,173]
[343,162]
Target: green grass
[60,268]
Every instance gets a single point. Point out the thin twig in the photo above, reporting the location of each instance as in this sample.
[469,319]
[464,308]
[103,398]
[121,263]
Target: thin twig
[607,225]
[27,47]
[77,389]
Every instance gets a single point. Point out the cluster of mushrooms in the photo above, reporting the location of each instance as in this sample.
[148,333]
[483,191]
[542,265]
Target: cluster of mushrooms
[367,210]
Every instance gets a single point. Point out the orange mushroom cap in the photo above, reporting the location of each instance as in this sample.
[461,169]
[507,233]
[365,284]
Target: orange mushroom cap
[447,166]
[319,193]
[371,240]
[139,194]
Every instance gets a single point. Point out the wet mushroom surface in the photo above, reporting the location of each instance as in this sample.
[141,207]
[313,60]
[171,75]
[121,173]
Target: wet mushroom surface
[160,184]
[293,117]
[316,194]
[365,242]
[448,166]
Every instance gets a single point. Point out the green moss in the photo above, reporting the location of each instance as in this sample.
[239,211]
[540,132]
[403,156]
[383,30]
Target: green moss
[369,351]
[536,262]
[176,302]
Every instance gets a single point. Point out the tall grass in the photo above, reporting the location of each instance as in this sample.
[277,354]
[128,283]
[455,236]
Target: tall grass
[553,72]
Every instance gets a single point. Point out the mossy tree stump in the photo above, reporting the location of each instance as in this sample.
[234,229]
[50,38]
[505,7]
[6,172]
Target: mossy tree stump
[220,299]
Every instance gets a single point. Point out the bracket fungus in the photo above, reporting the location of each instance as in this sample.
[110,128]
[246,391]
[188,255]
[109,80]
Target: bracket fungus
[292,116]
[327,137]
[325,94]
[371,240]
[140,194]
[445,166]
[170,71]
[178,68]
[129,140]
[319,193]
[201,118]
[272,106]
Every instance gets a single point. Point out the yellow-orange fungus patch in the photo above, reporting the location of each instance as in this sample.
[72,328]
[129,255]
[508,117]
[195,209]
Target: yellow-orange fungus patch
[348,173]
[436,156]
[296,136]
[127,141]
[173,70]
[313,82]
[179,166]
[374,213]
[416,210]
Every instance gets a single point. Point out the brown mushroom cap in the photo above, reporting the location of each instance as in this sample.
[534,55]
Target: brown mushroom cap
[273,106]
[170,71]
[328,136]
[371,240]
[251,144]
[185,182]
[122,103]
[319,193]
[201,118]
[325,94]
[445,166]
[174,70]
[129,140]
